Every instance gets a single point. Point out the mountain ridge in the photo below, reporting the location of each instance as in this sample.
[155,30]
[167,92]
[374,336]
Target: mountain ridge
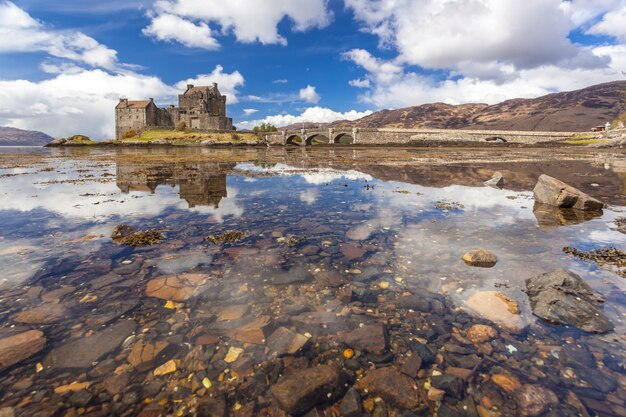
[569,111]
[11,136]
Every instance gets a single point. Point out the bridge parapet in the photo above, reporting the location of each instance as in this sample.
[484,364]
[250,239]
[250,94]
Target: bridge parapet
[390,136]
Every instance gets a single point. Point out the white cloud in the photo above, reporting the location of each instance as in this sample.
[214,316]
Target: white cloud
[613,24]
[248,20]
[19,32]
[393,87]
[454,34]
[228,83]
[312,115]
[309,94]
[248,112]
[281,81]
[487,50]
[168,27]
[359,83]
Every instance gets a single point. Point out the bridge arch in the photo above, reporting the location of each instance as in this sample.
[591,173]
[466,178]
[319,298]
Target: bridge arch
[343,139]
[293,140]
[317,139]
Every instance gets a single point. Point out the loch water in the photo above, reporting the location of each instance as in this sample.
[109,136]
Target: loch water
[342,292]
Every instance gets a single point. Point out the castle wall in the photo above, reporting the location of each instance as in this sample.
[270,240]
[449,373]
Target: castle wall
[201,108]
[129,119]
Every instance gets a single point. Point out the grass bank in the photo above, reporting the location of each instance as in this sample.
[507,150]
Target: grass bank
[176,137]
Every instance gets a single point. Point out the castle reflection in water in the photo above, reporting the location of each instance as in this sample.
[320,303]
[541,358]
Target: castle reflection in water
[200,183]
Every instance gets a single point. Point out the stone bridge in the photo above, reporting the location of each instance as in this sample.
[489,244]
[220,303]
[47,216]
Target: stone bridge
[358,136]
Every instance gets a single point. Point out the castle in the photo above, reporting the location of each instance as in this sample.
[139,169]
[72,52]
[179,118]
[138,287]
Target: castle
[199,108]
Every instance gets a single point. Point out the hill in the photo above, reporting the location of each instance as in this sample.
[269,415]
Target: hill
[10,136]
[578,110]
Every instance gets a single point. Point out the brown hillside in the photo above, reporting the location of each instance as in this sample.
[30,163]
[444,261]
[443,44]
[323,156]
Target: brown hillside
[578,110]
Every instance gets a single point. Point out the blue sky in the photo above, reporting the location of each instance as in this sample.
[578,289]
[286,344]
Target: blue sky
[64,64]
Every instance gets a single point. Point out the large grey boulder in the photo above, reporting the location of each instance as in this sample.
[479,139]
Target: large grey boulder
[556,193]
[563,297]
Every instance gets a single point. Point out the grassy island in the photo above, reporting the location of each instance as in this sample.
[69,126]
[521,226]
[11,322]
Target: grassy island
[188,137]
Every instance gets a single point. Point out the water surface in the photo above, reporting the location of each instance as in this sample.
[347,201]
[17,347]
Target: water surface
[387,224]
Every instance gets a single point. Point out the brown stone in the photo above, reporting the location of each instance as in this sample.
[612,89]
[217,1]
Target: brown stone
[146,356]
[73,387]
[284,341]
[488,305]
[177,287]
[332,279]
[481,258]
[56,295]
[300,390]
[352,252]
[16,348]
[480,333]
[412,365]
[43,314]
[534,400]
[393,386]
[370,338]
[82,352]
[250,332]
[509,384]
[556,193]
[116,383]
[435,394]
[233,312]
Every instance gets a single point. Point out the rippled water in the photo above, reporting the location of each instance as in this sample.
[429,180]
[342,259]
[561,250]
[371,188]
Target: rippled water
[388,223]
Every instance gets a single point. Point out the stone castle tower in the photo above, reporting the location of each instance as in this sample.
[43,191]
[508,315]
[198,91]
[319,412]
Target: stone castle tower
[200,108]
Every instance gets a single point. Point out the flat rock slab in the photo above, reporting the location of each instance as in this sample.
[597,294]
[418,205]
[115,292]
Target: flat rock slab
[233,312]
[393,386]
[16,348]
[534,400]
[81,353]
[285,341]
[369,338]
[299,391]
[352,252]
[563,297]
[332,279]
[556,193]
[43,314]
[177,287]
[481,258]
[145,355]
[493,306]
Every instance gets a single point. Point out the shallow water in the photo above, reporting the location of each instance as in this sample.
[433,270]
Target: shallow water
[389,223]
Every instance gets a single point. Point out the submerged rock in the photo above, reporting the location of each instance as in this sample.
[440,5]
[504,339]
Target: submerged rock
[43,314]
[16,348]
[563,297]
[369,338]
[480,333]
[481,258]
[556,193]
[393,386]
[177,287]
[82,352]
[146,356]
[284,341]
[300,390]
[496,307]
[534,400]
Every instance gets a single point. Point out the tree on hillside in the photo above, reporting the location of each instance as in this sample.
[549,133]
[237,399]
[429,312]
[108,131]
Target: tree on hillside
[265,127]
